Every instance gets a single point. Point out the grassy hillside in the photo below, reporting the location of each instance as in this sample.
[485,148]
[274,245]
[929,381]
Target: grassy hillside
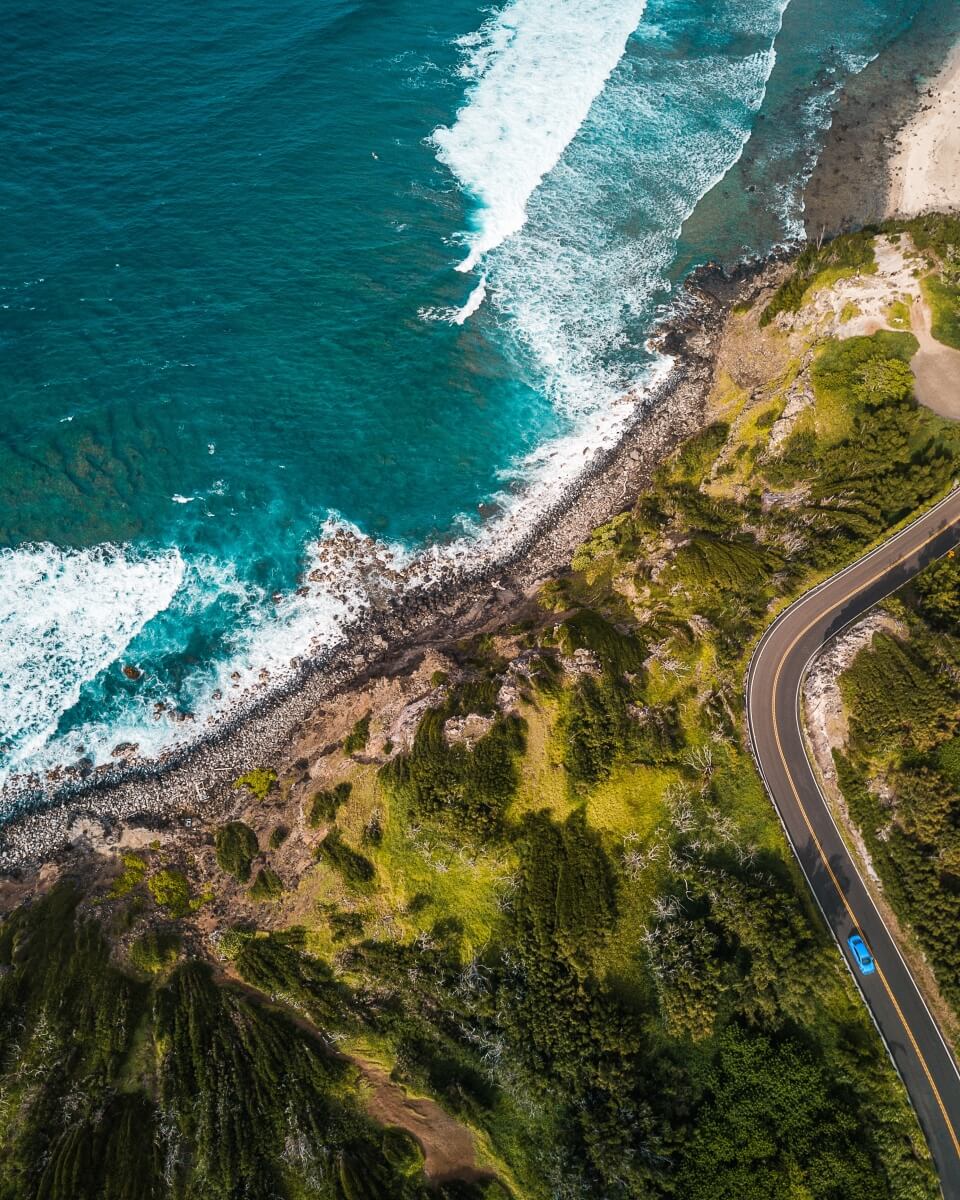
[564,908]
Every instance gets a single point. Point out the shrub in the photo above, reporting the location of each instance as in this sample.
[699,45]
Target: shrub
[595,727]
[259,782]
[154,951]
[325,804]
[278,835]
[356,869]
[469,787]
[356,740]
[938,589]
[134,870]
[588,630]
[345,926]
[237,846]
[267,886]
[171,891]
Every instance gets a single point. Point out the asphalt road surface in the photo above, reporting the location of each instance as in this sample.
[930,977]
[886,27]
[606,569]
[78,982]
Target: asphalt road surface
[922,1057]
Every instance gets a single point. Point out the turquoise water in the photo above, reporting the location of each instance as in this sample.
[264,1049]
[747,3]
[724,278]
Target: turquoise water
[279,274]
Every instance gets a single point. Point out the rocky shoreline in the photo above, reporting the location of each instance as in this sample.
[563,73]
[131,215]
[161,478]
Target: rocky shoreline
[51,818]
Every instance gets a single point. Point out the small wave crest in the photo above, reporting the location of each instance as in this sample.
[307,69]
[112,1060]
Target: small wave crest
[458,316]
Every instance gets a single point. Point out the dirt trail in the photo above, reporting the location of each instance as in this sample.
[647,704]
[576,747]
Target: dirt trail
[935,367]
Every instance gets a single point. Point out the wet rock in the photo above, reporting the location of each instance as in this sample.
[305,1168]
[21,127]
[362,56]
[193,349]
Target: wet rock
[132,672]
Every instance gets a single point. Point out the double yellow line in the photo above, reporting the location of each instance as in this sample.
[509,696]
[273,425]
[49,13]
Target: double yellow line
[816,841]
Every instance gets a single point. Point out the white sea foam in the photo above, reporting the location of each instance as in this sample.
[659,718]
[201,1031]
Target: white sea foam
[535,68]
[458,316]
[64,616]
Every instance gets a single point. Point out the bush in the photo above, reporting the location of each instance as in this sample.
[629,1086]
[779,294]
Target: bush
[595,727]
[237,847]
[470,788]
[938,589]
[588,630]
[259,782]
[267,886]
[356,740]
[356,869]
[171,891]
[325,804]
[134,870]
[154,951]
[278,835]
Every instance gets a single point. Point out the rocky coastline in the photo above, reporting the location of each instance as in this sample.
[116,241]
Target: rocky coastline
[52,817]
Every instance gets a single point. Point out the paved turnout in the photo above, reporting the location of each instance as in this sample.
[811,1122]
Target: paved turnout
[922,1057]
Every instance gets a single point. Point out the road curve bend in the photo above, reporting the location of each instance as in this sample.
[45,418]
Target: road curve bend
[776,672]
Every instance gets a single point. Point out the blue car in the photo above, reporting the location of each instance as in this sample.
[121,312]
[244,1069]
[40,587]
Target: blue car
[862,956]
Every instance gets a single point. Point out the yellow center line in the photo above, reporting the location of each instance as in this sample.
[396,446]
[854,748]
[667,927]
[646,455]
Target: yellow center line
[806,818]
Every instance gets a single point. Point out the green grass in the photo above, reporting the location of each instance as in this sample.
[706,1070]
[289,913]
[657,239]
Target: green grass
[171,891]
[944,301]
[898,315]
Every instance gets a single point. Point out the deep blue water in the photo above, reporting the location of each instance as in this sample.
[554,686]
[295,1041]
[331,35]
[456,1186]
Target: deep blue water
[231,317]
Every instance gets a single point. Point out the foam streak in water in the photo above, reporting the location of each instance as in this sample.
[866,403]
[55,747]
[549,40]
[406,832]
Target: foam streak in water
[536,68]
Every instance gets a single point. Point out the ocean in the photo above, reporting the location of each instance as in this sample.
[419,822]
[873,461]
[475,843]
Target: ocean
[306,301]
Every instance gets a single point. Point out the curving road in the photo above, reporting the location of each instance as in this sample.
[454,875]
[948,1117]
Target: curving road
[779,663]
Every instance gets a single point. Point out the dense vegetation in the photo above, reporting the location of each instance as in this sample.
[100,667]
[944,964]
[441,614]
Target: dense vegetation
[119,1090]
[564,909]
[237,847]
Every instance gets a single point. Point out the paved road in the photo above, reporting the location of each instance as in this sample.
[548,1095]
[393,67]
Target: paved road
[773,688]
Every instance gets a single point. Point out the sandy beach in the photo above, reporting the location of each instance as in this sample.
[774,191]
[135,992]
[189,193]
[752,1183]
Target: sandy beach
[857,179]
[925,168]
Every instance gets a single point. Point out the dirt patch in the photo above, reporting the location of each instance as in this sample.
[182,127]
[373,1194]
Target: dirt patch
[448,1146]
[935,367]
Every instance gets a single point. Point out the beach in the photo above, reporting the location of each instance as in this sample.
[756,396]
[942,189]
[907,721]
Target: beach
[925,166]
[908,92]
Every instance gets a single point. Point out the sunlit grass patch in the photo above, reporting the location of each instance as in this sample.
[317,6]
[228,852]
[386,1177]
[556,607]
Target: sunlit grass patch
[427,877]
[944,301]
[543,780]
[631,800]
